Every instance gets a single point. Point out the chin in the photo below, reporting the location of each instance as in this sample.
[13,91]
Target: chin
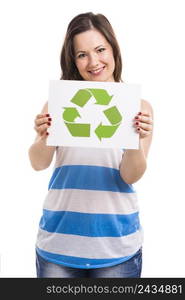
[98,78]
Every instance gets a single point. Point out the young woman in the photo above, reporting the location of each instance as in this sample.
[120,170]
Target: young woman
[90,225]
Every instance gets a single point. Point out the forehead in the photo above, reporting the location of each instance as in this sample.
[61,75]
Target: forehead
[89,39]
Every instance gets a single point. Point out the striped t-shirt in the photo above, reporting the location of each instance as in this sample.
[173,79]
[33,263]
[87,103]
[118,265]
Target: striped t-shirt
[90,215]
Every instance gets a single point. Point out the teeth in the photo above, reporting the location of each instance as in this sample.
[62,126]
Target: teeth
[96,71]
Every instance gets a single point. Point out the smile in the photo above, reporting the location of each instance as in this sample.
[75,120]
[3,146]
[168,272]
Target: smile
[97,71]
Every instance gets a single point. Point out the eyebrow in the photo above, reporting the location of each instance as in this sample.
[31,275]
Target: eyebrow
[82,51]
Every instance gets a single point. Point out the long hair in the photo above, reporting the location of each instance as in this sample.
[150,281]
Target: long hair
[79,24]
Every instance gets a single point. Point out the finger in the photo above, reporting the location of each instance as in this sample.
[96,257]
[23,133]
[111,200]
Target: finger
[144,126]
[42,116]
[144,113]
[44,135]
[39,116]
[142,132]
[42,128]
[41,121]
[145,119]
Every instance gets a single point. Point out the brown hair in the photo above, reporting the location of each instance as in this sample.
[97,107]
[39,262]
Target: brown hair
[79,24]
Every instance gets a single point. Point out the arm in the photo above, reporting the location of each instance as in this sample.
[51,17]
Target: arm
[134,162]
[40,154]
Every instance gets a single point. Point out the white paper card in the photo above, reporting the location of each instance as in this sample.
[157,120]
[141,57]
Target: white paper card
[93,114]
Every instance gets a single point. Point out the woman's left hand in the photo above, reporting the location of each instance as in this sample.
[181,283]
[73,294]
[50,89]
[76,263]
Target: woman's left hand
[143,124]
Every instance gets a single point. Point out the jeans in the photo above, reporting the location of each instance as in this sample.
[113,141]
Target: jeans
[128,269]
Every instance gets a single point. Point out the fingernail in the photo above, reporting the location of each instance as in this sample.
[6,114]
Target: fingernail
[47,133]
[138,129]
[47,115]
[137,123]
[140,113]
[136,117]
[49,123]
[49,119]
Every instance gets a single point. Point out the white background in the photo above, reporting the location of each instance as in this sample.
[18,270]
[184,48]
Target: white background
[151,36]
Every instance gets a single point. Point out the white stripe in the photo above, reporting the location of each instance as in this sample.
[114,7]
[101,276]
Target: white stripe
[105,157]
[88,201]
[89,247]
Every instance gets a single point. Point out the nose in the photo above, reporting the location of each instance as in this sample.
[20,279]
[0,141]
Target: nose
[93,60]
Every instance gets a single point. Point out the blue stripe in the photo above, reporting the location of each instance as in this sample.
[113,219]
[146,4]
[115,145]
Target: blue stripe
[93,225]
[78,262]
[89,178]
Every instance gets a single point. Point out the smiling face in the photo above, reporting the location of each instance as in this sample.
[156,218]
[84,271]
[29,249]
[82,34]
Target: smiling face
[94,56]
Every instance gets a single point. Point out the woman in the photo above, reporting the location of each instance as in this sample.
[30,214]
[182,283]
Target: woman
[89,229]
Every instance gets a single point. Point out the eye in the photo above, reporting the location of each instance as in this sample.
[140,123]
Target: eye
[81,55]
[101,49]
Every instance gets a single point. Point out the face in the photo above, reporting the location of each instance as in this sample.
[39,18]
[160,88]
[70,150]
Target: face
[94,56]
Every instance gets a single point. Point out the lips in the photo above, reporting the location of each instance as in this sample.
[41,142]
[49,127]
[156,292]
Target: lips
[97,71]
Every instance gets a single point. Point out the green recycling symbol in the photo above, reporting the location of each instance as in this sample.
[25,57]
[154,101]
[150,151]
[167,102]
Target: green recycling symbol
[83,130]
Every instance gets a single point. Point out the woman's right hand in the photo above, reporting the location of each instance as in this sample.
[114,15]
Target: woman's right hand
[42,123]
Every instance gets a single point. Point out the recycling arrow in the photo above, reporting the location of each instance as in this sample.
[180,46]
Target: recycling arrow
[70,114]
[101,96]
[76,129]
[105,131]
[83,96]
[83,130]
[114,117]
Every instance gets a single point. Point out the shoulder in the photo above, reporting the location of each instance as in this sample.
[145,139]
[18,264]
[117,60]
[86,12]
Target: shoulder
[146,106]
